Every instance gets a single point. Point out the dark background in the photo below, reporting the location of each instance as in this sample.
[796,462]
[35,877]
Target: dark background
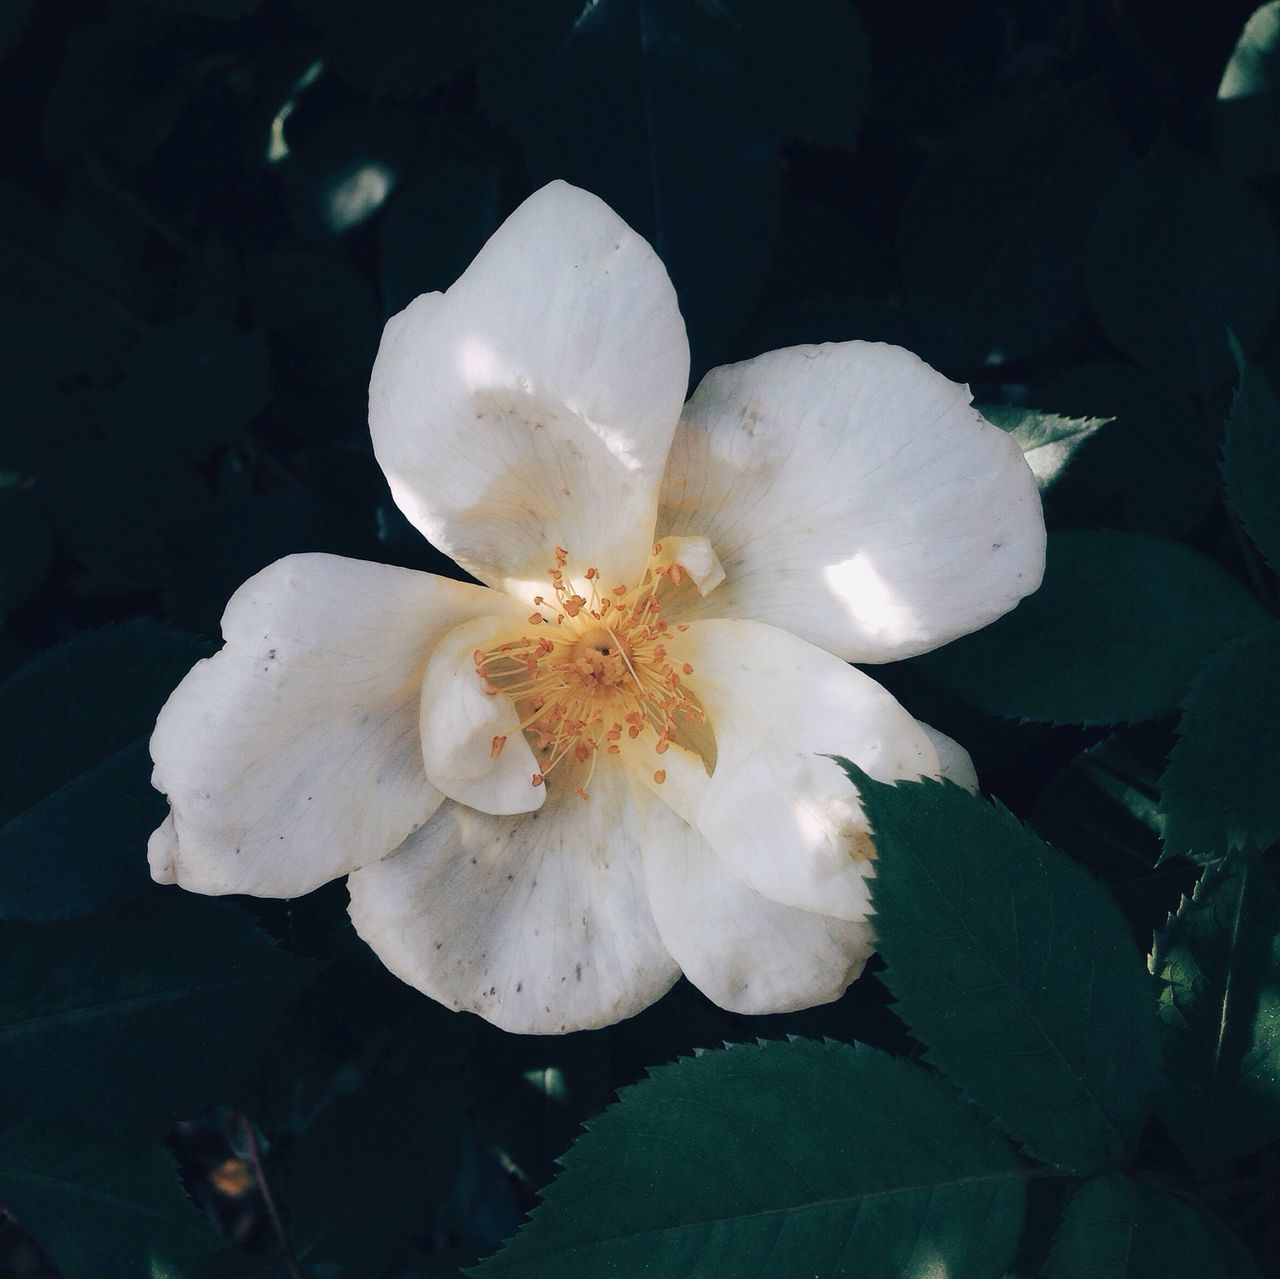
[208,209]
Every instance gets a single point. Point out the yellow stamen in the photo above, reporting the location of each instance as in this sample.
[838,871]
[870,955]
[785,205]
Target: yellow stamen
[578,687]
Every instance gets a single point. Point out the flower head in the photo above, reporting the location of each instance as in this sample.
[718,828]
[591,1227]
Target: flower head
[609,764]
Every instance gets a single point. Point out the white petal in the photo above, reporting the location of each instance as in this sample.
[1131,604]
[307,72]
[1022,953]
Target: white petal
[684,776]
[162,852]
[743,951]
[293,755]
[856,498]
[777,812]
[533,404]
[539,923]
[954,762]
[461,723]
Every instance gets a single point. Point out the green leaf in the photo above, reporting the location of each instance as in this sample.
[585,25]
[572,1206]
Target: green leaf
[1117,1228]
[673,139]
[398,46]
[1102,809]
[1016,969]
[191,385]
[110,97]
[1154,469]
[68,297]
[101,1211]
[1117,632]
[26,545]
[1251,459]
[129,1019]
[810,61]
[369,1173]
[435,227]
[1248,106]
[320,315]
[76,802]
[1048,440]
[993,237]
[1219,964]
[1218,794]
[1179,257]
[779,1161]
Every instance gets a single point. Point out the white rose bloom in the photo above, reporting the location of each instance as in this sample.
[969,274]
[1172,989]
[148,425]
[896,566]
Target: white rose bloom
[556,792]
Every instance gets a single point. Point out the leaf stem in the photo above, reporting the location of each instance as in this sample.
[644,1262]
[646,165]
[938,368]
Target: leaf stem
[255,1162]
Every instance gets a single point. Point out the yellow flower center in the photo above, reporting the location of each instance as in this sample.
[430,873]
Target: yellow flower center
[597,667]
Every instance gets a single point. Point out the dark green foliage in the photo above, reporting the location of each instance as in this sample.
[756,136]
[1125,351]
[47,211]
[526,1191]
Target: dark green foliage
[96,1016]
[675,140]
[1153,469]
[76,802]
[210,208]
[1116,633]
[1218,962]
[719,1180]
[1178,258]
[1248,105]
[1103,808]
[1218,793]
[409,1128]
[435,228]
[995,263]
[1017,971]
[1251,459]
[104,1210]
[1117,1228]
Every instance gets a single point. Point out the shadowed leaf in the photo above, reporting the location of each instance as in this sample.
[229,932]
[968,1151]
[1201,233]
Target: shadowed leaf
[1016,969]
[1218,960]
[780,1161]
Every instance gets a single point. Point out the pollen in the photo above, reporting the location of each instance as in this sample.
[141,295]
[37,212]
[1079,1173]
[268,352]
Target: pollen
[603,667]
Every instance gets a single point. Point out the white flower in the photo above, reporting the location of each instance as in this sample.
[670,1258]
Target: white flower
[556,792]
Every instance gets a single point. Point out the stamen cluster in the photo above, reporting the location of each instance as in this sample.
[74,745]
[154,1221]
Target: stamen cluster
[601,669]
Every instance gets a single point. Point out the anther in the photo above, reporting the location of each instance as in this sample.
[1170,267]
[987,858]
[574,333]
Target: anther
[660,776]
[495,747]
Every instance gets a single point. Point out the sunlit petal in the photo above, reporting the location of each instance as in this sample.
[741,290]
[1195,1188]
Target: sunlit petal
[778,811]
[532,405]
[744,951]
[856,498]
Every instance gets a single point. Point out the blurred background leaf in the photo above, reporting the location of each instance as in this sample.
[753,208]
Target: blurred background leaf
[1218,962]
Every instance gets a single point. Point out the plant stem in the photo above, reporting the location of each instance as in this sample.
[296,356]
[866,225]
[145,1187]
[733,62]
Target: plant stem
[260,1176]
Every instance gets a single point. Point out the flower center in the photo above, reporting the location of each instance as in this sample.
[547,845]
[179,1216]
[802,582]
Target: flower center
[597,666]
